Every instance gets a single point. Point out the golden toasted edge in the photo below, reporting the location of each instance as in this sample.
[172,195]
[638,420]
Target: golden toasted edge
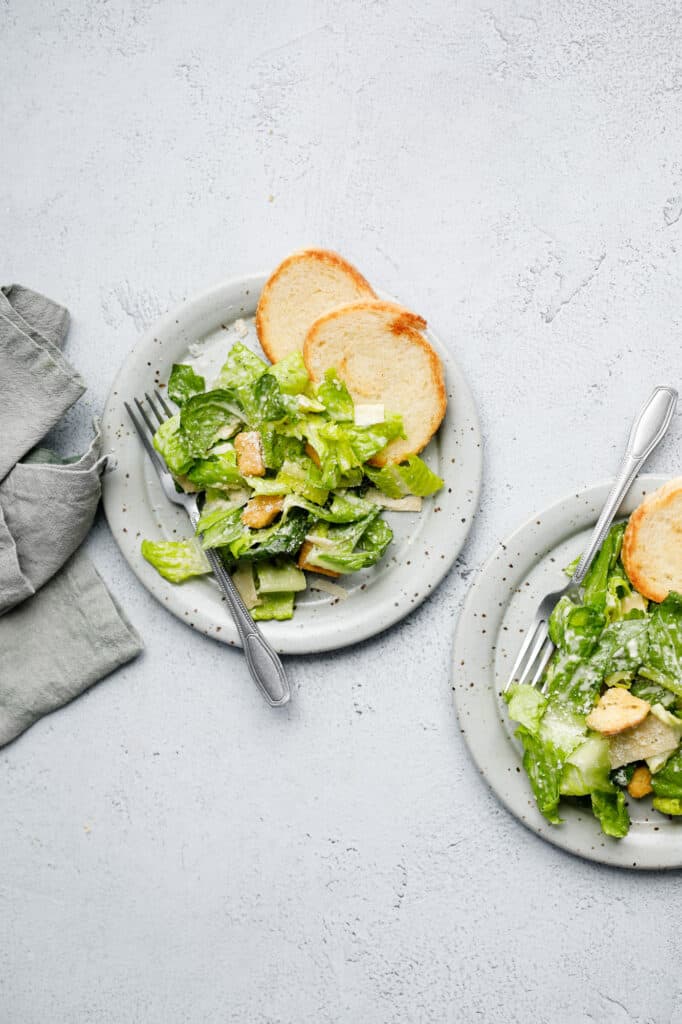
[406,322]
[323,255]
[652,503]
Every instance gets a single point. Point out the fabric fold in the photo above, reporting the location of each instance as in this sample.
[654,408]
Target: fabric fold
[60,628]
[71,491]
[55,646]
[37,383]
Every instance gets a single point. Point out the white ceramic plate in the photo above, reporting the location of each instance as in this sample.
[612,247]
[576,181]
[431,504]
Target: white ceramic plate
[200,332]
[495,616]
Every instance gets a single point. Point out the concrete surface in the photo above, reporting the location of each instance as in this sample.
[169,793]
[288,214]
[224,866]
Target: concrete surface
[170,850]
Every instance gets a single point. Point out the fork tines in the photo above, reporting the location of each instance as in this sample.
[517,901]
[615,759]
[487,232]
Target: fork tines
[533,658]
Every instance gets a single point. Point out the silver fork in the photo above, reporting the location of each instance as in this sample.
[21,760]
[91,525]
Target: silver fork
[264,663]
[647,430]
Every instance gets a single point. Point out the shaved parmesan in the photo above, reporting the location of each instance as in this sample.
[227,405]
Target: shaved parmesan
[410,503]
[649,739]
[368,415]
[329,588]
[244,582]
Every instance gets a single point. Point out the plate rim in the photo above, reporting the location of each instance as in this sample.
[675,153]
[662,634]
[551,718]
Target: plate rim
[197,307]
[517,797]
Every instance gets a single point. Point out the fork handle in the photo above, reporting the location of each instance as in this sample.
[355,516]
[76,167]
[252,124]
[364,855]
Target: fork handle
[263,661]
[648,429]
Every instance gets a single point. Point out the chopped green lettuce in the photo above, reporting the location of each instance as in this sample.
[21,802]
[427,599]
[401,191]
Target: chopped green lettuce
[176,560]
[291,374]
[220,529]
[668,781]
[664,657]
[242,368]
[284,538]
[276,577]
[612,812]
[411,477]
[218,472]
[526,706]
[173,446]
[274,606]
[335,397]
[184,383]
[207,418]
[263,401]
[587,768]
[351,547]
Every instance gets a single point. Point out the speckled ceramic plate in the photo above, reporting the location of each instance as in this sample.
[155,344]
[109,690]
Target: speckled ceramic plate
[200,332]
[496,614]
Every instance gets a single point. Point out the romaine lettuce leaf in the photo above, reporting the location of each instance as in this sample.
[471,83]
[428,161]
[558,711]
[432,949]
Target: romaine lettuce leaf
[278,447]
[621,647]
[274,606]
[278,577]
[176,560]
[335,397]
[575,628]
[543,766]
[526,705]
[218,472]
[668,781]
[284,538]
[303,477]
[219,529]
[612,813]
[263,401]
[291,374]
[418,478]
[172,445]
[595,583]
[646,690]
[208,418]
[242,368]
[342,509]
[667,805]
[663,663]
[183,383]
[587,768]
[412,477]
[351,547]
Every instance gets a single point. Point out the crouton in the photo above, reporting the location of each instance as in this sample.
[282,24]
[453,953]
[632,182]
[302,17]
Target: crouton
[652,552]
[262,510]
[640,783]
[312,454]
[303,563]
[380,352]
[249,448]
[617,710]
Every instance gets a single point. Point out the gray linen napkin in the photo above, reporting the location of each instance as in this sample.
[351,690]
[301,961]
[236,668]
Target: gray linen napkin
[65,631]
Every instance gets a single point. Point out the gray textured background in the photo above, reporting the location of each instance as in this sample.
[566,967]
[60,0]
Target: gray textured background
[171,851]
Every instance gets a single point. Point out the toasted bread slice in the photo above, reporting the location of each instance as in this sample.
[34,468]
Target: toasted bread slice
[379,350]
[652,543]
[302,288]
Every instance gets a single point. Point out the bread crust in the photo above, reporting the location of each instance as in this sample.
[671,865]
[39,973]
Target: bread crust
[407,325]
[324,256]
[634,553]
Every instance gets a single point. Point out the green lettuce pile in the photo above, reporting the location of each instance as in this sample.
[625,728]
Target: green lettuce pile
[612,637]
[336,506]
